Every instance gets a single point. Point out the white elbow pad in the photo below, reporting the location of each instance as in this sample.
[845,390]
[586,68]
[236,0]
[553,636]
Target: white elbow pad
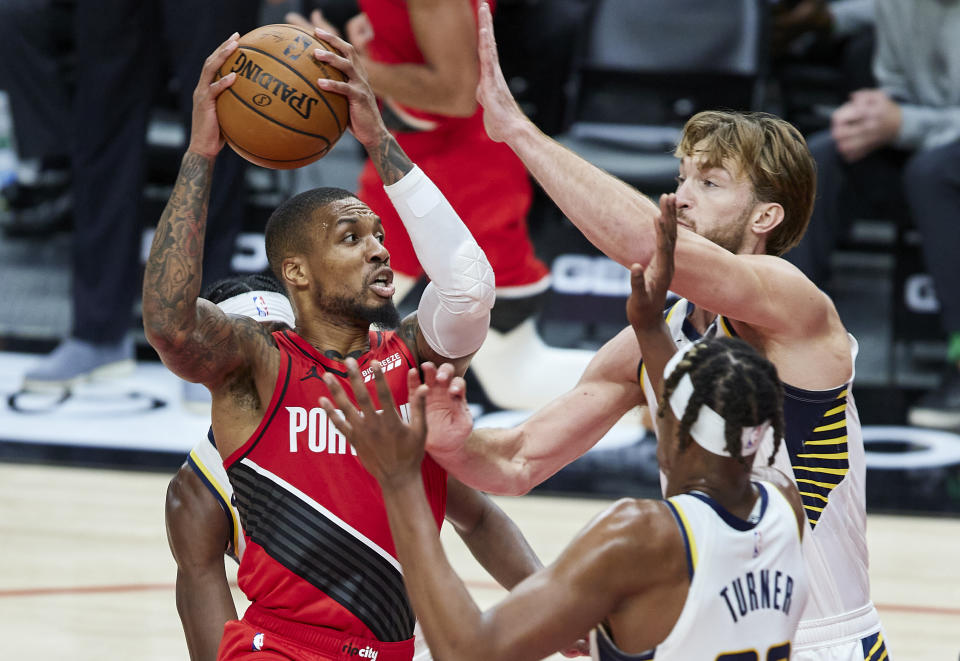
[454,311]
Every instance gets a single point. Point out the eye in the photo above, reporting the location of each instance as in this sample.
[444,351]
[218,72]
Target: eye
[709,184]
[380,236]
[349,238]
[680,179]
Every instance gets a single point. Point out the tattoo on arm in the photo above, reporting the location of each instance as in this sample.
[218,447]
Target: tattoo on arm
[171,282]
[390,160]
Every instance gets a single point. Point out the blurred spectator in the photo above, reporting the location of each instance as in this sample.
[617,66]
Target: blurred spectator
[798,24]
[822,50]
[897,147]
[122,47]
[421,59]
[38,36]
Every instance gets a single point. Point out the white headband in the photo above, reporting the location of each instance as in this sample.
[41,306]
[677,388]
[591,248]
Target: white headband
[260,306]
[709,427]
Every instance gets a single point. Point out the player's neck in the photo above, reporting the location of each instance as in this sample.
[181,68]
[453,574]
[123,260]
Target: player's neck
[724,479]
[336,338]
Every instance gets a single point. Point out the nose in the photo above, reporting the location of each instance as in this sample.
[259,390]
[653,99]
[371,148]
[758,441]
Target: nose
[684,195]
[376,251]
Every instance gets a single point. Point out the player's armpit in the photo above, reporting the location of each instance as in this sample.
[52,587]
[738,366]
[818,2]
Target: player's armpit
[216,347]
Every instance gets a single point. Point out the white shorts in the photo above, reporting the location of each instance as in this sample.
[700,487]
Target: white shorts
[853,636]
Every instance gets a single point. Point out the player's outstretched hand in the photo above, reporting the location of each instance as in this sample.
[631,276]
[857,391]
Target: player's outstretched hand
[388,447]
[501,114]
[366,124]
[205,137]
[648,287]
[449,421]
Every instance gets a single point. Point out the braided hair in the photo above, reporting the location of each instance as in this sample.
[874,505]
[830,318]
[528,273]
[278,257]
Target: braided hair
[733,379]
[235,285]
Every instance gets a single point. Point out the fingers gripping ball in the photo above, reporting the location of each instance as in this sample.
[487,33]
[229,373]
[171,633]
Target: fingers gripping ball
[274,115]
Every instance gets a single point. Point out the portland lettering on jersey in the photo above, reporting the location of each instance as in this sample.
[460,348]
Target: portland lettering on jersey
[758,590]
[313,429]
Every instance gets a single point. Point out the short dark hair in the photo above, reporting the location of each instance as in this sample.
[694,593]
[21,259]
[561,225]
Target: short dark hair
[235,285]
[734,380]
[287,231]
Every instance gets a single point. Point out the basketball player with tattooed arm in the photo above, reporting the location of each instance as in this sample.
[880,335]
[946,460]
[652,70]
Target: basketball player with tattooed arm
[744,196]
[713,570]
[203,524]
[320,565]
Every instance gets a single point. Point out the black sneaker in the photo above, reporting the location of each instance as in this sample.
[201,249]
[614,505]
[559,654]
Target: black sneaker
[939,408]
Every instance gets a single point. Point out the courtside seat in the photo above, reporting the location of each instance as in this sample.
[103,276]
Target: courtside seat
[646,67]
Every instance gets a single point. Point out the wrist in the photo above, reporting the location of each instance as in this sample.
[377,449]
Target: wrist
[407,483]
[206,154]
[377,137]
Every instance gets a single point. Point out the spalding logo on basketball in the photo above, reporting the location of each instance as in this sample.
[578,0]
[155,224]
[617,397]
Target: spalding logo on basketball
[274,114]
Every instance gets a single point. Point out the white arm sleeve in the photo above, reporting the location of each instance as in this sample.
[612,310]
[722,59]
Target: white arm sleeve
[454,311]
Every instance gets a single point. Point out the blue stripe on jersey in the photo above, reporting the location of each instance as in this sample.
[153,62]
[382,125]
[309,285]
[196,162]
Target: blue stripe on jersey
[683,533]
[231,551]
[210,437]
[732,520]
[816,440]
[874,647]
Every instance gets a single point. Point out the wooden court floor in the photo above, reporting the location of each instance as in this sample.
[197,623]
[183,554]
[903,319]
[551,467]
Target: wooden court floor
[85,572]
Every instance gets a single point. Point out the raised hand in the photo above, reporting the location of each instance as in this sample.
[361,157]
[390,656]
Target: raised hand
[205,137]
[648,287]
[501,113]
[388,447]
[449,421]
[366,123]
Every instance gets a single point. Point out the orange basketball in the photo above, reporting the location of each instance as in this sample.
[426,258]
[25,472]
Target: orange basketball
[274,114]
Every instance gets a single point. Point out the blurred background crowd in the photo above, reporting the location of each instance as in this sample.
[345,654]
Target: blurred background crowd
[95,107]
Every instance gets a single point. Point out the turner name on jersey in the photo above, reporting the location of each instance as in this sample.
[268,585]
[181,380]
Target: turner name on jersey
[758,590]
[312,429]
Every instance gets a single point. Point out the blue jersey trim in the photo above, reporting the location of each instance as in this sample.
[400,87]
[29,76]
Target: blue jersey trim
[683,533]
[731,520]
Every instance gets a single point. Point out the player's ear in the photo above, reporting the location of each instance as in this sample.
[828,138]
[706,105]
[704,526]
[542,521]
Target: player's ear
[766,216]
[295,272]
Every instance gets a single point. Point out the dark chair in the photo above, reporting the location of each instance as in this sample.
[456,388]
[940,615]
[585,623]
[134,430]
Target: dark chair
[649,65]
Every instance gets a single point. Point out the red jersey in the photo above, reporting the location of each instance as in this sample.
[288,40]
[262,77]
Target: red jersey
[319,549]
[483,180]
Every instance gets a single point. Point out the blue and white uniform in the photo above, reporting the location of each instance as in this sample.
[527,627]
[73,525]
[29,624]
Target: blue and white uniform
[747,583]
[823,454]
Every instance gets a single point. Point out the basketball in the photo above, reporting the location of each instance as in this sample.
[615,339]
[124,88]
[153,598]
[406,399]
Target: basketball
[274,115]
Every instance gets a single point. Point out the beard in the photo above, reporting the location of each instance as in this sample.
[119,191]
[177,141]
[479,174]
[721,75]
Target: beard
[730,237]
[384,316]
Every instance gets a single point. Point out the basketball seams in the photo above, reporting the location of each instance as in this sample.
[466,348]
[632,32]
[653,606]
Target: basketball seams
[282,164]
[290,126]
[299,75]
[276,121]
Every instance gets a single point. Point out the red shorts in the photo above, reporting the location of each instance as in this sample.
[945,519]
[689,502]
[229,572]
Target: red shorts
[262,637]
[485,183]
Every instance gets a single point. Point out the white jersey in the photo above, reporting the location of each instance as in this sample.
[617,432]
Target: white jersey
[747,583]
[823,453]
[206,462]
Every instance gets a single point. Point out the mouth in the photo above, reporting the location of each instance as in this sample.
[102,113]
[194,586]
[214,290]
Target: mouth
[382,283]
